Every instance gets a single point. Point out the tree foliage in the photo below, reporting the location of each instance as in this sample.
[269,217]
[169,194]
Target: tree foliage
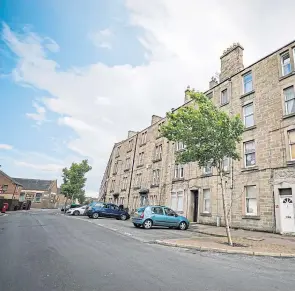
[208,133]
[74,180]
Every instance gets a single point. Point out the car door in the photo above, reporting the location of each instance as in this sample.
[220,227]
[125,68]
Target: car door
[157,215]
[170,217]
[115,211]
[104,210]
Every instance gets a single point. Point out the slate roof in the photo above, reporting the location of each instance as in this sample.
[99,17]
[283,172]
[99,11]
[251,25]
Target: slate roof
[11,179]
[34,184]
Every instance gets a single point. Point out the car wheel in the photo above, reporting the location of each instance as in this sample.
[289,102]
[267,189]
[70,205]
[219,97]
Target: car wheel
[95,215]
[136,225]
[76,213]
[147,224]
[182,225]
[123,217]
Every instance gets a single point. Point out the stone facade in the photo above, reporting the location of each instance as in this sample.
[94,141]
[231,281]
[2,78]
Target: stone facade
[257,185]
[9,188]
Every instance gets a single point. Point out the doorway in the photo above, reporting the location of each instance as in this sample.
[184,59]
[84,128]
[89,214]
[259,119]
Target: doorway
[196,205]
[287,211]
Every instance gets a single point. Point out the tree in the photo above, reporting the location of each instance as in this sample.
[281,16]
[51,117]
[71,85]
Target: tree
[74,181]
[210,135]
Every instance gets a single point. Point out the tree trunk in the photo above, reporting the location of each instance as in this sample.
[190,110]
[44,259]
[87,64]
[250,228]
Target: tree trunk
[225,211]
[65,205]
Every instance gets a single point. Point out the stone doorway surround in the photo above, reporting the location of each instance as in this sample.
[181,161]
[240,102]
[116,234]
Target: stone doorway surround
[278,190]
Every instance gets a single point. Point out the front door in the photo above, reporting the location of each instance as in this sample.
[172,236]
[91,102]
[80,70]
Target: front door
[287,213]
[196,205]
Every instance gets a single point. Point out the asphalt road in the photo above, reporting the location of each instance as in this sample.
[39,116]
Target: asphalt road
[44,251]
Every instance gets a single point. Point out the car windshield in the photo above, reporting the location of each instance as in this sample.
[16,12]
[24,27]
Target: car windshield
[141,209]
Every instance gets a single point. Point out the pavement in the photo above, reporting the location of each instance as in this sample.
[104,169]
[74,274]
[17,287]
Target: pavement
[47,251]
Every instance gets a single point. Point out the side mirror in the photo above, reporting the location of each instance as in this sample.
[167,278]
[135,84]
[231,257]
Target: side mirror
[176,215]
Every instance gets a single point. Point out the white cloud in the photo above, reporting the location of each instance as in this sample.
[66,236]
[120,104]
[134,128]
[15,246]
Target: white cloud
[41,167]
[40,115]
[102,39]
[182,44]
[5,147]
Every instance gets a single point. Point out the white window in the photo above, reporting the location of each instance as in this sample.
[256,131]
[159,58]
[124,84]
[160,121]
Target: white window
[141,158]
[179,146]
[226,164]
[127,164]
[286,64]
[251,200]
[178,171]
[248,84]
[224,96]
[143,137]
[124,184]
[248,115]
[206,200]
[156,177]
[177,201]
[291,138]
[115,168]
[138,180]
[112,185]
[207,169]
[158,151]
[38,197]
[289,100]
[250,154]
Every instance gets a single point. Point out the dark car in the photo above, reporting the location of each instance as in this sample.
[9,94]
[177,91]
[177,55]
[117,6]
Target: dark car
[101,209]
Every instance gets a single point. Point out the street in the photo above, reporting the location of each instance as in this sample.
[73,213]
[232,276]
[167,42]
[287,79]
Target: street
[43,250]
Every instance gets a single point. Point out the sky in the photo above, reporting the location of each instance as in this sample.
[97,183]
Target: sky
[75,76]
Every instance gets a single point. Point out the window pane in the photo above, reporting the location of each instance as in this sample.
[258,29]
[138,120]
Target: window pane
[251,206]
[286,66]
[248,109]
[249,120]
[206,205]
[250,159]
[249,147]
[290,106]
[180,203]
[224,98]
[250,191]
[291,135]
[173,201]
[289,93]
[248,83]
[206,193]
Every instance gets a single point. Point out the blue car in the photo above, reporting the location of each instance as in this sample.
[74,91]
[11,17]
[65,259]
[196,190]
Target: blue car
[110,210]
[150,216]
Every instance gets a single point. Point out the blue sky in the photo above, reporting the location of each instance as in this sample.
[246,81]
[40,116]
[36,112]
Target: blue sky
[75,76]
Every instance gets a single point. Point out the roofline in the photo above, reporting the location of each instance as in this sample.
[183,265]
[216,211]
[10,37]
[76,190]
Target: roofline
[11,179]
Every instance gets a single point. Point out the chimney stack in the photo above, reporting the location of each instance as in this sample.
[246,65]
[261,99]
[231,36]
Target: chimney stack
[131,133]
[213,82]
[231,61]
[155,118]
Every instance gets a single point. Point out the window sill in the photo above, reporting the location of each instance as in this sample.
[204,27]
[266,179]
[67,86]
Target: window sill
[123,190]
[139,166]
[136,187]
[114,174]
[252,168]
[126,170]
[247,94]
[206,175]
[289,115]
[117,156]
[129,151]
[250,128]
[154,185]
[291,163]
[286,76]
[179,151]
[112,191]
[174,180]
[254,217]
[206,214]
[157,160]
[159,136]
[224,104]
[143,144]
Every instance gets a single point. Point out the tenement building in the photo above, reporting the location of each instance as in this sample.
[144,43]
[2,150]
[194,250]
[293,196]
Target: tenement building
[260,187]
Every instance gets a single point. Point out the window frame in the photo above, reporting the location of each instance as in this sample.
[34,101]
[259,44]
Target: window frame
[205,199]
[39,195]
[286,101]
[176,194]
[158,152]
[178,171]
[282,63]
[206,172]
[245,154]
[290,143]
[127,163]
[244,83]
[221,96]
[251,198]
[223,166]
[248,115]
[143,138]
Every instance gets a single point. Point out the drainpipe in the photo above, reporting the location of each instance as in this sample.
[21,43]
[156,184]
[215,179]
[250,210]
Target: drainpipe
[132,170]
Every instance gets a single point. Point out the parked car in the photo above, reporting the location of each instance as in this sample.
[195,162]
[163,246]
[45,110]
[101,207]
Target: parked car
[77,210]
[101,209]
[150,216]
[71,206]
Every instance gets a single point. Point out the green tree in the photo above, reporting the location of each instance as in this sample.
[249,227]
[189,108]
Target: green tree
[74,181]
[209,135]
